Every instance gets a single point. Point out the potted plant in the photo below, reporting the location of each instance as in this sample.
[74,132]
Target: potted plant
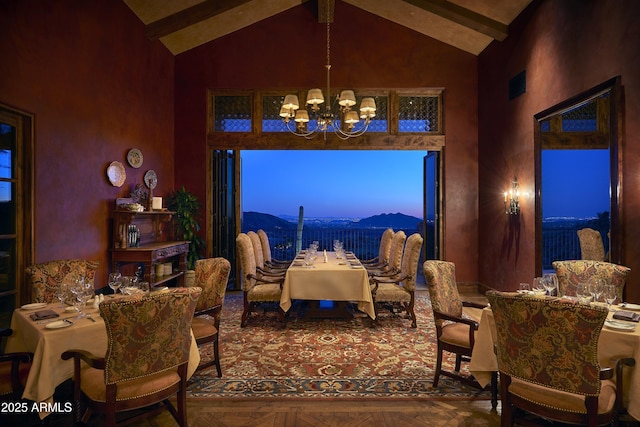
[186,223]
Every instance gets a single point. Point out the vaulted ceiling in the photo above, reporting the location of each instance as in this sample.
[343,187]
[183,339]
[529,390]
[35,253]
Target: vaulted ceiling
[469,25]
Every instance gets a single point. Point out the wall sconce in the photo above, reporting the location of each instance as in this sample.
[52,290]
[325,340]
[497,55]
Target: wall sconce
[511,204]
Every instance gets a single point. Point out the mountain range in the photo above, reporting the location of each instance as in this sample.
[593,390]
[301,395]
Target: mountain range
[257,220]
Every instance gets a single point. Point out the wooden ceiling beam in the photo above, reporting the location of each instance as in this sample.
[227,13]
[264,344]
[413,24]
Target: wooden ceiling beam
[465,17]
[190,16]
[325,6]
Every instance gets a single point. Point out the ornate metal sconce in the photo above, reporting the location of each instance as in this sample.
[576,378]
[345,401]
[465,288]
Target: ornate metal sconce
[511,203]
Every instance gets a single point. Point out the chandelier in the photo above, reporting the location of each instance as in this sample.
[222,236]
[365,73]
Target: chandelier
[346,124]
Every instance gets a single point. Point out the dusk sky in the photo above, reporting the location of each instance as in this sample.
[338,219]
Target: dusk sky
[575,183]
[344,183]
[365,183]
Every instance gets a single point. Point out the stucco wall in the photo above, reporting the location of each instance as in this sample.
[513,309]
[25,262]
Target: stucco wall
[566,47]
[97,87]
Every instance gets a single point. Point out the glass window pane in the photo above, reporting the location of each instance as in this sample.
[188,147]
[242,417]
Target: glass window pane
[581,119]
[271,120]
[7,208]
[418,114]
[6,169]
[7,270]
[232,113]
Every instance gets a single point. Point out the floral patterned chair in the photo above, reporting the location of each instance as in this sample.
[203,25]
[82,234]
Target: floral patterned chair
[256,289]
[547,352]
[47,276]
[266,252]
[384,251]
[395,257]
[14,368]
[455,333]
[572,272]
[149,338]
[591,246]
[212,276]
[400,289]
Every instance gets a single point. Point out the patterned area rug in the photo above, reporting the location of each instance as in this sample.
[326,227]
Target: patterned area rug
[323,358]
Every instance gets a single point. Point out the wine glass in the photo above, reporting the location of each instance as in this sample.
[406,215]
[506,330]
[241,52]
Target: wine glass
[83,292]
[115,280]
[539,288]
[583,294]
[610,294]
[550,282]
[596,288]
[62,291]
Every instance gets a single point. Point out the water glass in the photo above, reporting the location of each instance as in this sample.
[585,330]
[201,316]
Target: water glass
[115,280]
[550,282]
[539,288]
[610,294]
[524,288]
[583,294]
[596,288]
[62,293]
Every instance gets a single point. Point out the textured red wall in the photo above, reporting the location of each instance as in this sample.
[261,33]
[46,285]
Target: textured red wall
[566,48]
[288,51]
[97,88]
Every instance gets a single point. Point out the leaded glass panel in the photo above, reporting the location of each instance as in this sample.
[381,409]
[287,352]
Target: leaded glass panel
[271,120]
[419,114]
[581,119]
[232,113]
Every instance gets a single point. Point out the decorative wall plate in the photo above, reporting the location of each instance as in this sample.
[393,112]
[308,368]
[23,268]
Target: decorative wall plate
[151,179]
[134,157]
[116,174]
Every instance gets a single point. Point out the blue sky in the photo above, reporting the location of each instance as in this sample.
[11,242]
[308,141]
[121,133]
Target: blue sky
[365,183]
[575,183]
[332,183]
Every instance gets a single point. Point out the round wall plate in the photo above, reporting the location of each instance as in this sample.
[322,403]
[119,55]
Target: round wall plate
[116,174]
[134,157]
[151,179]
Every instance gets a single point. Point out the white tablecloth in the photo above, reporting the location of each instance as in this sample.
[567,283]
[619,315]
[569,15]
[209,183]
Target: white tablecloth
[611,345]
[333,280]
[48,370]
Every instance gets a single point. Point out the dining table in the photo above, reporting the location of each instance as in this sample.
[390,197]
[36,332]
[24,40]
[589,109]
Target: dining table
[617,340]
[47,339]
[330,278]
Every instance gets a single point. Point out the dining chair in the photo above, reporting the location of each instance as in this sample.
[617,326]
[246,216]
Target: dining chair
[261,267]
[454,333]
[399,290]
[256,290]
[572,272]
[384,250]
[212,276]
[266,252]
[591,245]
[14,369]
[547,352]
[44,278]
[148,343]
[395,257]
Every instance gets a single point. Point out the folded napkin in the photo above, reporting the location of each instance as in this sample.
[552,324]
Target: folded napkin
[629,316]
[44,314]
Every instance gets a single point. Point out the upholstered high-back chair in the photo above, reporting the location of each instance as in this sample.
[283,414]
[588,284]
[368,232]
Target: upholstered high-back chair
[591,245]
[256,290]
[266,252]
[148,343]
[395,256]
[454,333]
[400,289]
[14,369]
[547,351]
[47,276]
[572,272]
[212,276]
[384,250]
[258,254]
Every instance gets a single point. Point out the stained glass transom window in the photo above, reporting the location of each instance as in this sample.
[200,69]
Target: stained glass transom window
[419,114]
[232,113]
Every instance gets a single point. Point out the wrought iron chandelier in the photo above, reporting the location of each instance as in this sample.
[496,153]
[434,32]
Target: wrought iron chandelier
[347,122]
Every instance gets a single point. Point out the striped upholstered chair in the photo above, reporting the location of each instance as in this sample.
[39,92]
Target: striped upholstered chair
[256,289]
[399,290]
